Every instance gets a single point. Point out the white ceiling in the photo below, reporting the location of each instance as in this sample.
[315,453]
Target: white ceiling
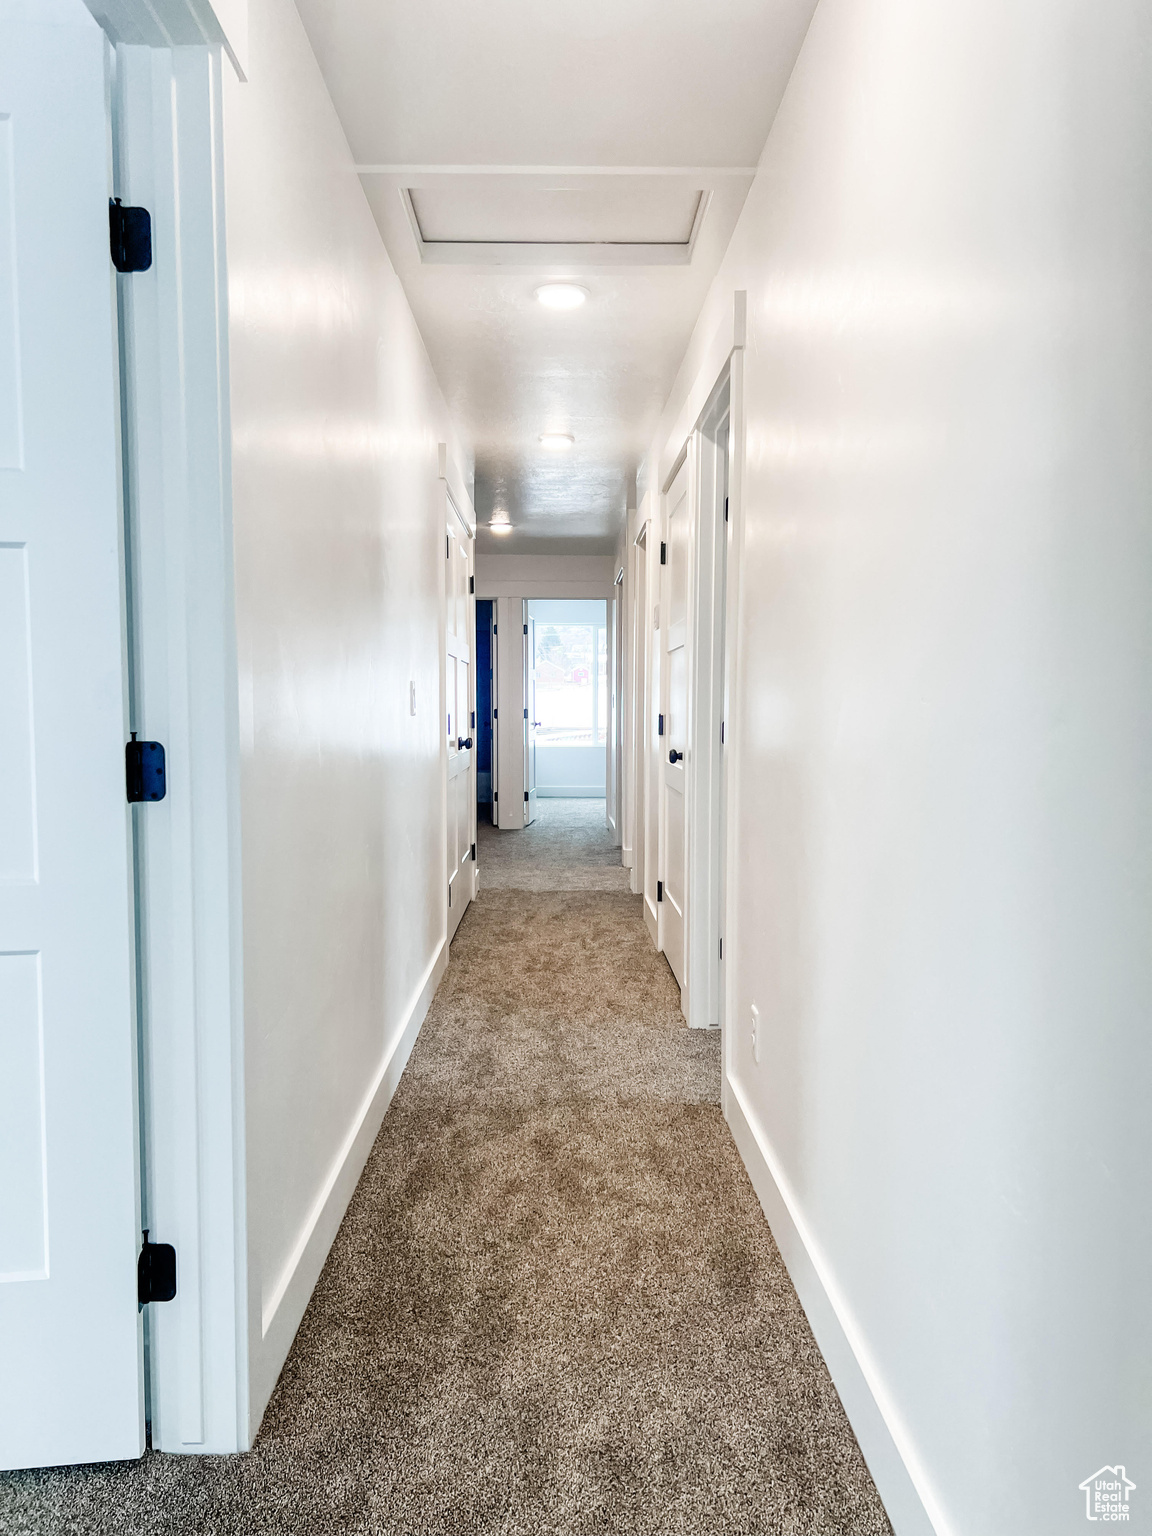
[483,131]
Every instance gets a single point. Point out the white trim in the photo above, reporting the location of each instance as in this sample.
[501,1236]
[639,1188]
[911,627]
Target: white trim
[449,472]
[728,338]
[884,1440]
[174,325]
[178,24]
[284,1305]
[705,172]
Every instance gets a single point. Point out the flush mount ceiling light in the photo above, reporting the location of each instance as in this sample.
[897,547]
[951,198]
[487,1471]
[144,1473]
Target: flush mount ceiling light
[499,527]
[561,295]
[559,442]
[498,522]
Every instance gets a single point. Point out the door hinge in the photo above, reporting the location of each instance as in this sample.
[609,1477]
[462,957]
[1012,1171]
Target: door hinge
[721,733]
[129,237]
[495,712]
[447,546]
[663,553]
[525,797]
[449,895]
[659,890]
[473,719]
[525,629]
[144,774]
[721,948]
[473,853]
[725,509]
[155,1272]
[659,725]
[471,583]
[495,796]
[494,629]
[525,714]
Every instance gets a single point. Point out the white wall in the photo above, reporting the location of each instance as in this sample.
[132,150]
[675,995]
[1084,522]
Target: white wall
[544,575]
[339,555]
[943,740]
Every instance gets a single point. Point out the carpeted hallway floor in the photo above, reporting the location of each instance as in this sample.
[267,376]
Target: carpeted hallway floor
[554,1305]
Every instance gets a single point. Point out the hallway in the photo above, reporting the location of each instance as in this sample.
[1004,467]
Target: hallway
[554,1304]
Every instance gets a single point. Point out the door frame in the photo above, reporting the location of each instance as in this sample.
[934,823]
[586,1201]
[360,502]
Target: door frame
[686,461]
[714,608]
[458,505]
[184,690]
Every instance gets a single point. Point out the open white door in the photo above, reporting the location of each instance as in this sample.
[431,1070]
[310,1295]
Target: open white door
[460,705]
[71,1368]
[675,587]
[530,718]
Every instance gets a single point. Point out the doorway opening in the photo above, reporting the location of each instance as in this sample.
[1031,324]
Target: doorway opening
[485,705]
[568,666]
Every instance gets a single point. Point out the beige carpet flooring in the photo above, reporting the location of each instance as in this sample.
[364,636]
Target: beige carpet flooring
[567,848]
[554,1305]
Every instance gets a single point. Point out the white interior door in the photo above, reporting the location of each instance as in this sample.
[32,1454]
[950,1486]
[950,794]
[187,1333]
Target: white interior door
[460,706]
[530,717]
[70,1356]
[673,632]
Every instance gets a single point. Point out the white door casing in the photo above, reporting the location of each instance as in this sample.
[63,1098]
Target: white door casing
[71,1381]
[674,766]
[530,721]
[460,704]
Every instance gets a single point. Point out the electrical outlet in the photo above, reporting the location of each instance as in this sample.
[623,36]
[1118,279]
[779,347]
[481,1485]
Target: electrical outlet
[755,1034]
[411,698]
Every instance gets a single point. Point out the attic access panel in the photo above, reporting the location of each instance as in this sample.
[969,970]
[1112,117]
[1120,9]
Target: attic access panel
[646,220]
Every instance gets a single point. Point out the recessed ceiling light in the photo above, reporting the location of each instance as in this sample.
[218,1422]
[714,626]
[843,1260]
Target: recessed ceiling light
[557,441]
[500,527]
[561,295]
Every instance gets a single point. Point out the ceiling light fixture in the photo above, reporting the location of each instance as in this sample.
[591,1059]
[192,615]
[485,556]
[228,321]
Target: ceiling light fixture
[499,527]
[561,295]
[559,442]
[498,522]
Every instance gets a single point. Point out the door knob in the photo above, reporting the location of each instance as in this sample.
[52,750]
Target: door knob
[463,743]
[675,757]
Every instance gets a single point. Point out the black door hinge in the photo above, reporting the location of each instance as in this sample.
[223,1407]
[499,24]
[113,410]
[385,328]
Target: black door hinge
[495,712]
[721,948]
[663,553]
[525,629]
[473,853]
[659,890]
[471,583]
[155,1272]
[495,796]
[525,797]
[473,719]
[494,629]
[129,237]
[447,546]
[721,733]
[659,725]
[525,714]
[144,774]
[725,509]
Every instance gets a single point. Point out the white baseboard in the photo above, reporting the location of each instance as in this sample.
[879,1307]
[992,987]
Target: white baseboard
[569,792]
[651,922]
[886,1447]
[286,1301]
[626,857]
